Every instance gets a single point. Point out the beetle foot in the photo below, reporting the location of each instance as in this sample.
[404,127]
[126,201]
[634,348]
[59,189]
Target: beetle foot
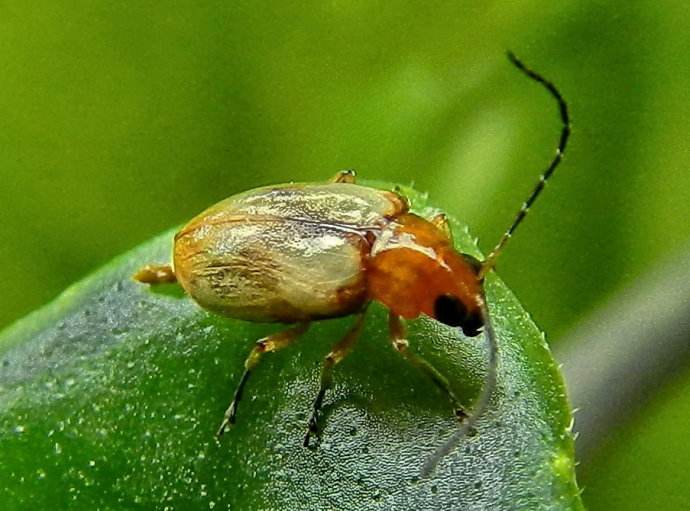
[461,415]
[223,426]
[312,430]
[228,420]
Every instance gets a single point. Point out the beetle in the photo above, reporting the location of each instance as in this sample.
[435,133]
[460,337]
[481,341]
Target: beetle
[297,253]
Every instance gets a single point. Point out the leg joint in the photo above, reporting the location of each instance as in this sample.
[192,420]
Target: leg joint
[333,358]
[401,345]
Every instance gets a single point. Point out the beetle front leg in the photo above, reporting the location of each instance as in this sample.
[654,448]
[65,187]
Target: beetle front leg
[345,176]
[273,342]
[398,338]
[336,355]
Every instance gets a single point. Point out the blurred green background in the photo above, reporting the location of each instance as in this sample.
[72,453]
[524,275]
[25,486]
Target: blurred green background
[119,120]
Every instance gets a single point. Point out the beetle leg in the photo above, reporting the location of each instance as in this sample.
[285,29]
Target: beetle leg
[345,176]
[398,334]
[155,274]
[341,349]
[273,342]
[441,222]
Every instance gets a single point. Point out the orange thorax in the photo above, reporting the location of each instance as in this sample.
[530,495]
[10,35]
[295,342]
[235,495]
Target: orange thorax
[412,263]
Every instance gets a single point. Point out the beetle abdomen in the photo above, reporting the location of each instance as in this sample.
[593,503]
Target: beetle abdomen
[286,253]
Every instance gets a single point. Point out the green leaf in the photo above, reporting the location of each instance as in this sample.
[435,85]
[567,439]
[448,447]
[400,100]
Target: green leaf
[110,397]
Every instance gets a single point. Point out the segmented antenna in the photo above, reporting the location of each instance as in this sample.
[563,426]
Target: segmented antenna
[490,261]
[484,398]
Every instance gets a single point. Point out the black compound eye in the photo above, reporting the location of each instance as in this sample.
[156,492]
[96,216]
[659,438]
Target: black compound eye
[472,324]
[449,310]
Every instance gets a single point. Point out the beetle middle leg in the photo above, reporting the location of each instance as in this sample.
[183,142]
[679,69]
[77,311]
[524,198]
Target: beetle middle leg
[341,349]
[273,342]
[441,221]
[398,338]
[345,176]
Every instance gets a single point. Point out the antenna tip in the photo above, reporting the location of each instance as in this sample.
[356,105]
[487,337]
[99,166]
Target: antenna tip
[515,59]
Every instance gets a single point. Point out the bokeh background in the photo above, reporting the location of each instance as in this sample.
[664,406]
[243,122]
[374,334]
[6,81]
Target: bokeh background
[121,119]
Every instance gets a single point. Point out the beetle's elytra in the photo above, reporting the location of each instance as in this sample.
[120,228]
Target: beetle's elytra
[301,252]
[297,253]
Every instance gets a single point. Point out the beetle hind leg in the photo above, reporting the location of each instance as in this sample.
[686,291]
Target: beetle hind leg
[341,349]
[399,341]
[271,343]
[155,274]
[345,176]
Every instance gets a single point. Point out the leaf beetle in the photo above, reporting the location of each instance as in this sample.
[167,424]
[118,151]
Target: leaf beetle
[297,253]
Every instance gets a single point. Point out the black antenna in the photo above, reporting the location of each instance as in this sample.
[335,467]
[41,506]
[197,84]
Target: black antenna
[490,261]
[484,398]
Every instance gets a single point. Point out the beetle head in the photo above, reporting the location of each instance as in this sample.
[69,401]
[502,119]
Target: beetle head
[413,270]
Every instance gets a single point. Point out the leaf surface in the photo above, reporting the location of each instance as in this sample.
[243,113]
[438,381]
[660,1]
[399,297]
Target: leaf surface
[110,397]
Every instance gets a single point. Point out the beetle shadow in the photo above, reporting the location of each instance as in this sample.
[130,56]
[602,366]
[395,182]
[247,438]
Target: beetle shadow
[387,401]
[171,290]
